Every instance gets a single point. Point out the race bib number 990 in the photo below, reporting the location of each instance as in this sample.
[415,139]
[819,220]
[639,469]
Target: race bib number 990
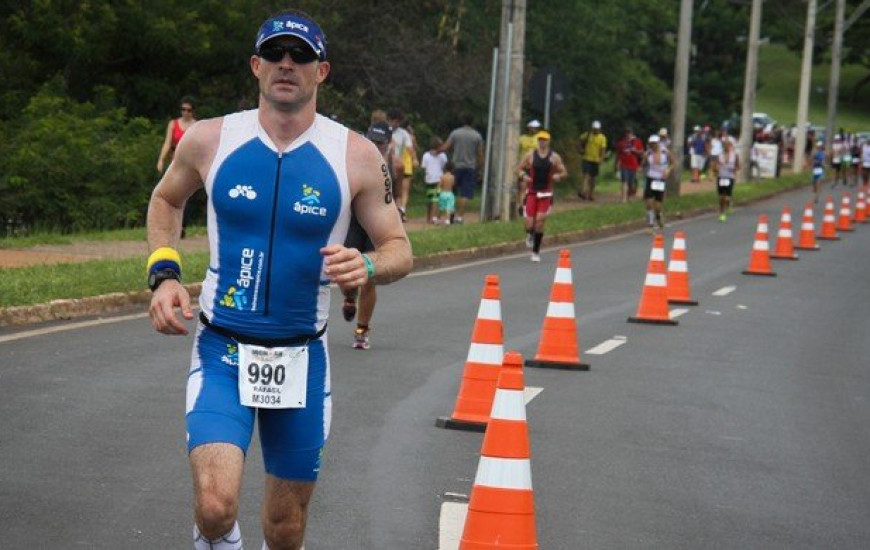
[724,182]
[273,378]
[657,185]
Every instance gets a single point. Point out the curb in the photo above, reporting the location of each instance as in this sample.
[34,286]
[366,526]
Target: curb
[58,310]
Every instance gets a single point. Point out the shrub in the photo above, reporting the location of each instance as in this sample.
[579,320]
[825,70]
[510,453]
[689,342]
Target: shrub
[69,166]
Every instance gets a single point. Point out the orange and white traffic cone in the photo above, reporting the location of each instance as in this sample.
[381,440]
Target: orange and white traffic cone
[860,215]
[867,202]
[784,249]
[653,306]
[807,236]
[501,508]
[482,365]
[558,346]
[829,222]
[759,260]
[845,221]
[678,273]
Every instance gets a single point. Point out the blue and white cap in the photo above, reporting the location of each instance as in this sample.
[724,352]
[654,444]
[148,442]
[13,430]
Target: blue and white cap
[293,25]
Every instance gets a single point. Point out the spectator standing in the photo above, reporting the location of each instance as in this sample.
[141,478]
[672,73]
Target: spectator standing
[446,198]
[466,147]
[658,162]
[433,166]
[529,140]
[174,132]
[697,153]
[402,142]
[593,146]
[539,170]
[629,154]
[664,139]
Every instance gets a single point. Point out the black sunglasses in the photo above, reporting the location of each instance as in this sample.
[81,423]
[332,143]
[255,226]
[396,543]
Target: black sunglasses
[274,53]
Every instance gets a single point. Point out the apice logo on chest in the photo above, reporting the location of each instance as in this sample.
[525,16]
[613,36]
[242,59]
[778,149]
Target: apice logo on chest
[309,204]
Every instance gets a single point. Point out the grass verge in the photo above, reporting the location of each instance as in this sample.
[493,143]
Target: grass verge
[42,284]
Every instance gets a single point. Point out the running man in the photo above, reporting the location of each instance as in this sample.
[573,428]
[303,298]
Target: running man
[539,170]
[658,163]
[729,165]
[282,182]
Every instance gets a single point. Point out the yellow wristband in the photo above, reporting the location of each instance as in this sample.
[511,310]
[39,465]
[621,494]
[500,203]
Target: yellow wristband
[163,254]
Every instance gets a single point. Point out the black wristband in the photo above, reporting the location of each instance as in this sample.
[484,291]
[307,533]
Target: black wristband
[155,278]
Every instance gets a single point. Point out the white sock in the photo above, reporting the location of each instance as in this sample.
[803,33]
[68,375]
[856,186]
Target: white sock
[230,541]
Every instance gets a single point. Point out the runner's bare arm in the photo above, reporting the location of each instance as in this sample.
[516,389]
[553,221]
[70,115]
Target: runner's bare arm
[371,189]
[184,176]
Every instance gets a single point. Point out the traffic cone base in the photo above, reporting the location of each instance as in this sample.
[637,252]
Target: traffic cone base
[541,364]
[462,425]
[766,274]
[775,257]
[653,321]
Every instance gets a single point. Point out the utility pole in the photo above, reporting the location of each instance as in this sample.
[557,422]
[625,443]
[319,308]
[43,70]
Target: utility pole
[834,81]
[749,86]
[800,137]
[681,92]
[508,105]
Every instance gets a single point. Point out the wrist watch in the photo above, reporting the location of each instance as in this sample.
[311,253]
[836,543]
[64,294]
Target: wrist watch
[157,277]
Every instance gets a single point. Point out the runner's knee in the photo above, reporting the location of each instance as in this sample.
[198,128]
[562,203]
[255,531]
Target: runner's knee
[216,513]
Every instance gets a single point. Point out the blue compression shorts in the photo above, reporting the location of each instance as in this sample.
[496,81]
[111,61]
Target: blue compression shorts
[291,439]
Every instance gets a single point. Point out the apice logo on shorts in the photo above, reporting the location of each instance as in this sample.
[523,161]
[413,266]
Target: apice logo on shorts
[310,202]
[246,191]
[231,357]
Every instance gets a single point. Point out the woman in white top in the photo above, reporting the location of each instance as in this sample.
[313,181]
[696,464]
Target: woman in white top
[657,164]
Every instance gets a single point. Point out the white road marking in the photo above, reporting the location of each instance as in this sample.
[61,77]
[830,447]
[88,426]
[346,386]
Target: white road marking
[741,306]
[531,392]
[713,312]
[607,346]
[725,291]
[450,524]
[71,326]
[678,312]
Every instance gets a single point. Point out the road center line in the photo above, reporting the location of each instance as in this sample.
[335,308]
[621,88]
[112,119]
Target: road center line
[607,346]
[725,291]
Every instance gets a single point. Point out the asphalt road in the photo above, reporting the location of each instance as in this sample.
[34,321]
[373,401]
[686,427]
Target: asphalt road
[746,426]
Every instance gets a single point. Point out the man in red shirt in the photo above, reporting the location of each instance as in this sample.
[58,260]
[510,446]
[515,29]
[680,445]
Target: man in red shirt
[629,152]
